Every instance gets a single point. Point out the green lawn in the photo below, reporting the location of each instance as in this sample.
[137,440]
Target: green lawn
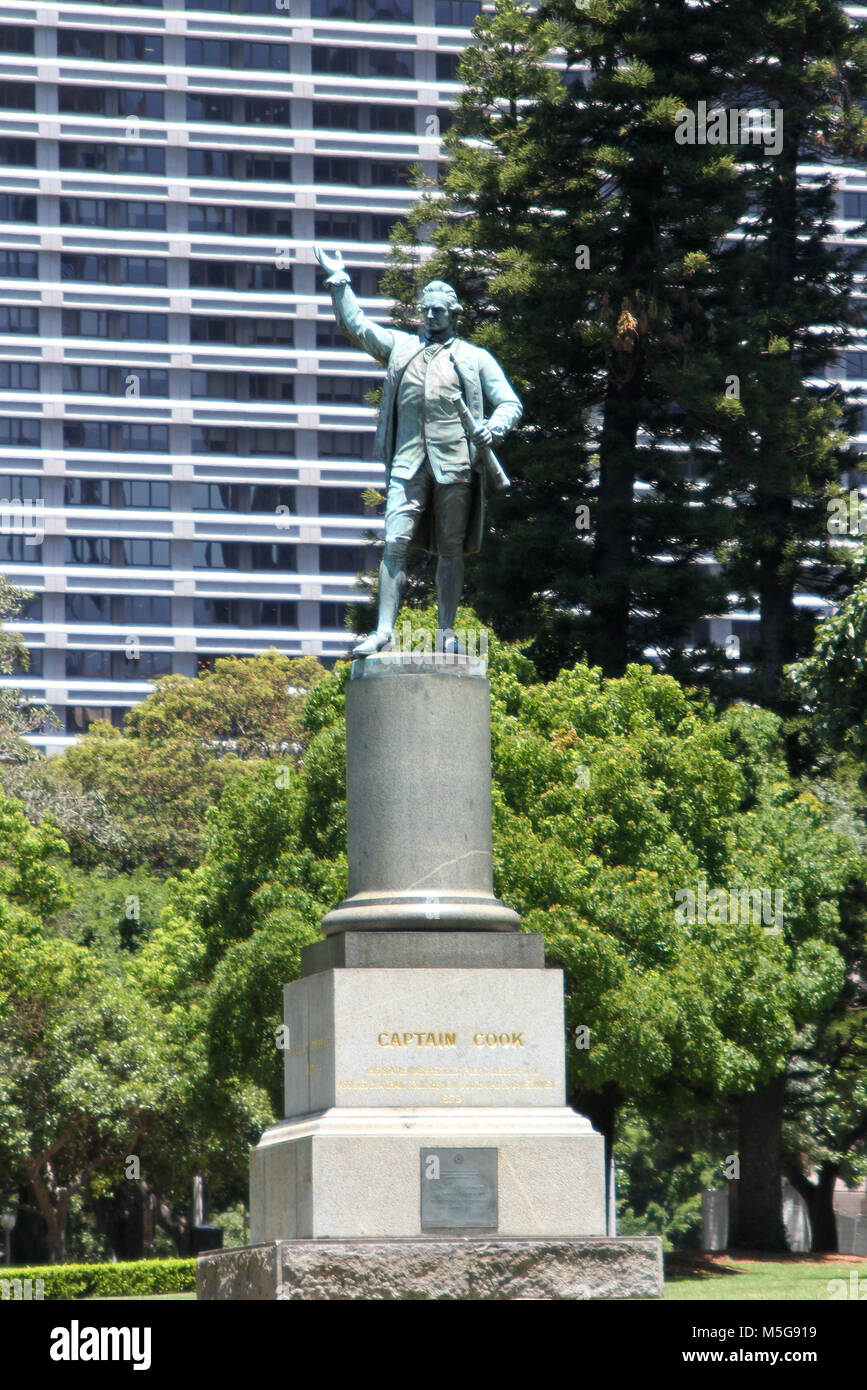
[799,1278]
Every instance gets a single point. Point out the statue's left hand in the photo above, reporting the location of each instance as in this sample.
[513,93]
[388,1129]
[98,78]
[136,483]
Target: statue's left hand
[482,436]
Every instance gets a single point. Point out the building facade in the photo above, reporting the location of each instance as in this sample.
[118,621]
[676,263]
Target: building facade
[184,442]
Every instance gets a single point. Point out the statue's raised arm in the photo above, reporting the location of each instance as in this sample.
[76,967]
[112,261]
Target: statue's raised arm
[444,403]
[359,329]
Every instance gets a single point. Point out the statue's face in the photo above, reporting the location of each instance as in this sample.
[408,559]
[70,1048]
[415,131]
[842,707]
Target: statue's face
[436,316]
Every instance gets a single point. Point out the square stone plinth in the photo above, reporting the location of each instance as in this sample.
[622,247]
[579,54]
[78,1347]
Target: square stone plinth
[396,1037]
[352,1172]
[474,1270]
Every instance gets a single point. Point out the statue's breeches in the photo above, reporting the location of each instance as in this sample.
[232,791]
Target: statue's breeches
[407,501]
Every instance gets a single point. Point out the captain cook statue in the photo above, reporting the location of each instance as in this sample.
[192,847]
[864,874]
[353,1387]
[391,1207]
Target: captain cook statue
[434,440]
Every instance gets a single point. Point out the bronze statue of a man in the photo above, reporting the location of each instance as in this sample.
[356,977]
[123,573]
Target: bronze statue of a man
[433,439]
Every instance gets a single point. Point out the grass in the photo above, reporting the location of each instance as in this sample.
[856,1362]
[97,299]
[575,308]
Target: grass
[754,1278]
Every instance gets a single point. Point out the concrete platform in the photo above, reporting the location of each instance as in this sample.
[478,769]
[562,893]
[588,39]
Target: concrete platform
[469,1269]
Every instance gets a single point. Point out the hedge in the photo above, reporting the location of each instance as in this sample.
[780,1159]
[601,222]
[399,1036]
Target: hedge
[106,1280]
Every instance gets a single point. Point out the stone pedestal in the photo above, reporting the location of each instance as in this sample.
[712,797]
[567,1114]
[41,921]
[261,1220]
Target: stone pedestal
[426,1149]
[418,797]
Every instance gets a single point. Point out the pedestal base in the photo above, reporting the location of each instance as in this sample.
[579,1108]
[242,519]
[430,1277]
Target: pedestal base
[348,1173]
[470,1270]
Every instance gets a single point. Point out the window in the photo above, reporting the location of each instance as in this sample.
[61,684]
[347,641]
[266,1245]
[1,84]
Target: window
[141,270]
[18,548]
[77,155]
[84,212]
[345,444]
[447,67]
[388,173]
[335,169]
[145,215]
[148,105]
[214,439]
[210,164]
[80,717]
[267,332]
[209,53]
[334,9]
[335,60]
[141,438]
[390,62]
[116,381]
[343,225]
[16,38]
[245,613]
[265,55]
[344,559]
[335,115]
[17,207]
[88,663]
[19,376]
[141,159]
[20,487]
[80,43]
[18,96]
[263,166]
[114,324]
[210,107]
[133,611]
[242,498]
[271,387]
[340,501]
[386,10]
[136,437]
[397,118]
[18,319]
[18,264]
[457,13]
[139,48]
[244,555]
[30,611]
[267,111]
[90,101]
[856,365]
[333,615]
[279,443]
[20,153]
[141,552]
[350,390]
[261,443]
[205,217]
[855,206]
[214,385]
[84,267]
[24,433]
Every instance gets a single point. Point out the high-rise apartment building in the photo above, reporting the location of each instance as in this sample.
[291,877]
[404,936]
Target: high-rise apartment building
[184,442]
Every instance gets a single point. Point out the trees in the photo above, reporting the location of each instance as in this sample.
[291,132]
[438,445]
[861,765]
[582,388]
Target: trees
[581,237]
[147,790]
[612,801]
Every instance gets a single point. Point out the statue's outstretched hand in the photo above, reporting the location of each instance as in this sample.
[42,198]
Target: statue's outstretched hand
[333,263]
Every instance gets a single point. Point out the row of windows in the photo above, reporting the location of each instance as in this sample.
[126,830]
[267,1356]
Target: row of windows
[217,218]
[111,212]
[206,439]
[109,47]
[144,493]
[113,270]
[138,610]
[120,159]
[141,327]
[146,553]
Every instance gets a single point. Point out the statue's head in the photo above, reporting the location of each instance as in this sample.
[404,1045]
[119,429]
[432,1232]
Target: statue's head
[440,307]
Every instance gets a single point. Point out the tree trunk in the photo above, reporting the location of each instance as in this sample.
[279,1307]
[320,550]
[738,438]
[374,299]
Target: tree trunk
[820,1204]
[612,551]
[758,1209]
